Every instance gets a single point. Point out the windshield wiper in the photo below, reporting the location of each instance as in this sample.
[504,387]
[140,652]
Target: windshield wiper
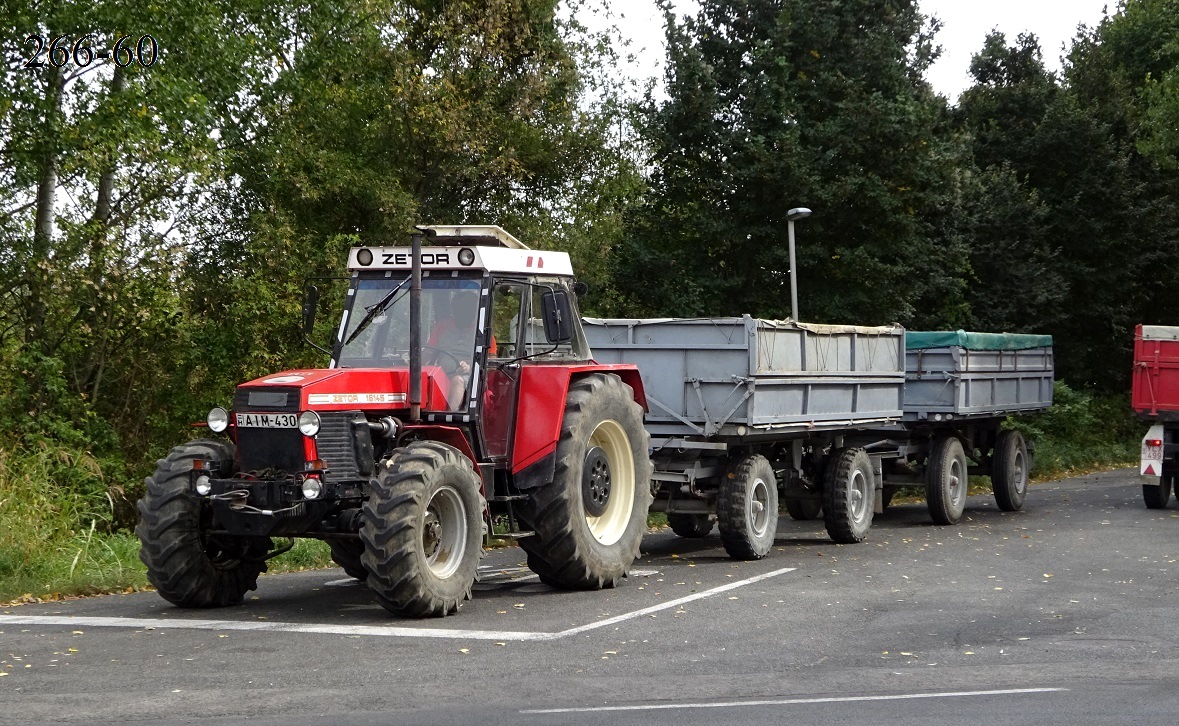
[374,310]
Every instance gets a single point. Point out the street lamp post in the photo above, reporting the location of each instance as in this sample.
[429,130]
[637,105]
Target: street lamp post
[793,214]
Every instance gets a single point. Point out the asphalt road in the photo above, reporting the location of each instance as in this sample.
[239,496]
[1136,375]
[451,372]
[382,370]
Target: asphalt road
[1064,613]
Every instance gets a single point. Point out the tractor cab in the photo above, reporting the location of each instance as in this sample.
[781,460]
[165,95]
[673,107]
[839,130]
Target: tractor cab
[486,301]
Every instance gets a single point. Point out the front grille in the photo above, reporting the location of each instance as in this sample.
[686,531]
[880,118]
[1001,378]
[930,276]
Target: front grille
[278,400]
[336,443]
[259,449]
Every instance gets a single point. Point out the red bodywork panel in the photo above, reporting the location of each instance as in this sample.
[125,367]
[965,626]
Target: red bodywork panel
[1155,385]
[378,390]
[543,389]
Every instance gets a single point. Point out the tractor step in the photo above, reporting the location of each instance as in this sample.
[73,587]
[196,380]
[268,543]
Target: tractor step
[512,535]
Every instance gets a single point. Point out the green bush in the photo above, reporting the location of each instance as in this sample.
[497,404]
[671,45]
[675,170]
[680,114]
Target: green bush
[1082,431]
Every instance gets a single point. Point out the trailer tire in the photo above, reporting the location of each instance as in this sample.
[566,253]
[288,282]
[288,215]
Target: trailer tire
[1156,496]
[689,525]
[802,510]
[190,568]
[347,553]
[602,465]
[1009,471]
[946,480]
[747,508]
[422,526]
[848,488]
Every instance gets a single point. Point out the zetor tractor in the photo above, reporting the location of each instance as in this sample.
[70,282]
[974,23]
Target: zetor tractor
[460,393]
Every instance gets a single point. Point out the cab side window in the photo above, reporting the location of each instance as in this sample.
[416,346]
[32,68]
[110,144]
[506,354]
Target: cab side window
[507,301]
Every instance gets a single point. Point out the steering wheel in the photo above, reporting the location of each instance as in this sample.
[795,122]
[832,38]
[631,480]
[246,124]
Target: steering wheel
[447,353]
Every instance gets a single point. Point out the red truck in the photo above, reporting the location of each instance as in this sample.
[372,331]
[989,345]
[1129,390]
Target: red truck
[1155,398]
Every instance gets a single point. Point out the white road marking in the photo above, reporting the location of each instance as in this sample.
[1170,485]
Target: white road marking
[344,581]
[797,701]
[370,630]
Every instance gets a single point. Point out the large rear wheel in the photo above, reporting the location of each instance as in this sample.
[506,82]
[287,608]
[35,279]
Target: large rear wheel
[422,530]
[189,566]
[848,488]
[1009,471]
[946,480]
[590,520]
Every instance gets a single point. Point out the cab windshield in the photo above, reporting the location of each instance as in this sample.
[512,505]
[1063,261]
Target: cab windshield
[375,330]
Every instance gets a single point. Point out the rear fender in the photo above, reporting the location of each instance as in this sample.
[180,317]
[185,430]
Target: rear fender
[543,391]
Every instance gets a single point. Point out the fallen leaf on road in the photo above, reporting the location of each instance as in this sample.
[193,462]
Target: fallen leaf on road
[464,650]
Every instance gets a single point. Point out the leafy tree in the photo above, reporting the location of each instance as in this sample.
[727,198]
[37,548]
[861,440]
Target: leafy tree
[774,104]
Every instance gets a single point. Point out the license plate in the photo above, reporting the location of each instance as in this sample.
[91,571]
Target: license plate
[267,420]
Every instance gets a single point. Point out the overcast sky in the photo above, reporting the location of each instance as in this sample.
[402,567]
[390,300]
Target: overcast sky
[965,25]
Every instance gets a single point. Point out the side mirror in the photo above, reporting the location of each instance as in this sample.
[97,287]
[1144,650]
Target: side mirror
[580,288]
[558,316]
[310,302]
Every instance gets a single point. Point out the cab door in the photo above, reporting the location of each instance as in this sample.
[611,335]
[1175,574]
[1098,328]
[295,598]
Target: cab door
[509,313]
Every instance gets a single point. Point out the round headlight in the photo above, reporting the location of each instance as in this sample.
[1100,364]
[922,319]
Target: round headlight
[202,486]
[218,420]
[309,423]
[466,257]
[312,487]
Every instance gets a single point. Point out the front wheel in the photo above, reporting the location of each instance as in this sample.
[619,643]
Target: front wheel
[189,566]
[347,553]
[946,480]
[848,488]
[421,531]
[1009,471]
[590,520]
[747,508]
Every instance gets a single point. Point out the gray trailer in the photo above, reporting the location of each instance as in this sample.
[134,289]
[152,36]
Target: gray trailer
[959,389]
[744,413]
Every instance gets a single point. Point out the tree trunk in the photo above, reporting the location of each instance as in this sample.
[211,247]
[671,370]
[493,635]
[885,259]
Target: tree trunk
[46,202]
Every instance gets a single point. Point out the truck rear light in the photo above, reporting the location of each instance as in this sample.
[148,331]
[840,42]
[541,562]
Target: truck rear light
[1154,442]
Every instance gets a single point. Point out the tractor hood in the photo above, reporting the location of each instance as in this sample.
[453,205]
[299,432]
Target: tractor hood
[343,389]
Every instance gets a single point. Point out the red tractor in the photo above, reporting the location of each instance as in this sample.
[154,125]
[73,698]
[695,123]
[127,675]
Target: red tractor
[460,393]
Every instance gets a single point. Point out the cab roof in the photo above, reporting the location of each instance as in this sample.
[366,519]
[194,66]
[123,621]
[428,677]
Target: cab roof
[465,247]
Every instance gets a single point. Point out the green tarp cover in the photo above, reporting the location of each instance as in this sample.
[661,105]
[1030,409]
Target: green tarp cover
[924,339]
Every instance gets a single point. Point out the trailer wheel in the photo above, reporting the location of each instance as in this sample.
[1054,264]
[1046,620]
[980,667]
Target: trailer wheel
[848,488]
[802,510]
[1009,471]
[422,530]
[946,480]
[1156,496]
[590,520]
[347,553]
[691,526]
[747,508]
[189,567]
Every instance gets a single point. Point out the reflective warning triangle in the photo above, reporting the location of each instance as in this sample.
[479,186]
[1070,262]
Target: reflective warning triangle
[1149,470]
